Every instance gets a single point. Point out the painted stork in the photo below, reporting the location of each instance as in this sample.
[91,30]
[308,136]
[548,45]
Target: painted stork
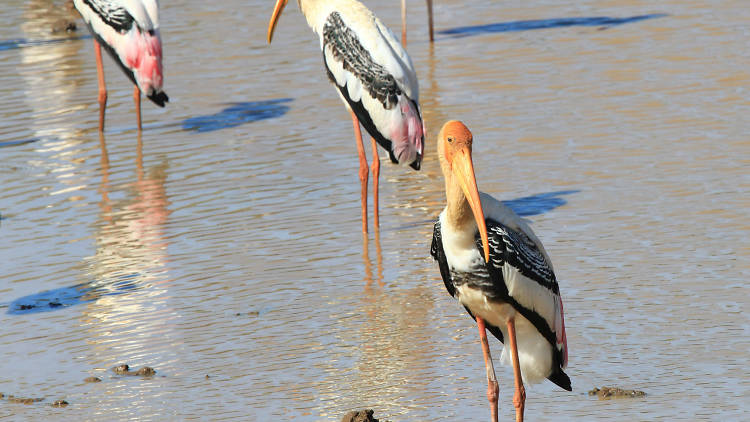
[129,31]
[375,79]
[403,21]
[492,262]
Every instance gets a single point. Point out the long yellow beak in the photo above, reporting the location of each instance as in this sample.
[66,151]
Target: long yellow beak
[280,4]
[463,168]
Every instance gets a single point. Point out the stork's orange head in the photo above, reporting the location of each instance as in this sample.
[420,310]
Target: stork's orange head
[454,148]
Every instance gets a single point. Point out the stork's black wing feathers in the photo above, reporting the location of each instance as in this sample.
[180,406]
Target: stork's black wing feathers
[437,252]
[112,14]
[514,248]
[345,46]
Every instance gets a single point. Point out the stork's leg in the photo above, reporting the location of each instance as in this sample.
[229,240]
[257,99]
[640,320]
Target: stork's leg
[493,390]
[102,85]
[429,19]
[403,23]
[375,177]
[363,169]
[137,99]
[519,398]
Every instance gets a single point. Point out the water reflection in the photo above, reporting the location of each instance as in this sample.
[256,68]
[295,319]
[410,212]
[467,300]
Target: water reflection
[131,248]
[368,263]
[130,233]
[528,25]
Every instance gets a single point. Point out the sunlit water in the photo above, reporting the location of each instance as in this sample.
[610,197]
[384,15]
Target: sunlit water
[223,248]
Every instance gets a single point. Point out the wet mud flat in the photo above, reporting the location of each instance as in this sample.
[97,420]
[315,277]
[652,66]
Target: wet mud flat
[122,369]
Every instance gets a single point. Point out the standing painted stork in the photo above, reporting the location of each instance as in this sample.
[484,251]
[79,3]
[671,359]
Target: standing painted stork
[403,21]
[375,79]
[496,267]
[129,31]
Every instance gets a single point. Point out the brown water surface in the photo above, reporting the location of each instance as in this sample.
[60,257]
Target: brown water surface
[223,247]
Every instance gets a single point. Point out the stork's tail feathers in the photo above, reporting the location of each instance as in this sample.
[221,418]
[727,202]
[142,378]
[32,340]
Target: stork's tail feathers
[561,379]
[159,98]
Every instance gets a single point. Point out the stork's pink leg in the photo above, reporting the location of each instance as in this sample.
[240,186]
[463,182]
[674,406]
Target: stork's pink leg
[519,398]
[493,391]
[429,19]
[403,23]
[363,169]
[375,177]
[102,85]
[137,99]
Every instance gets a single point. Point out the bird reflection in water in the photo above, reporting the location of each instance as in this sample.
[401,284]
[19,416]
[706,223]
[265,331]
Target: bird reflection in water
[130,237]
[130,244]
[368,263]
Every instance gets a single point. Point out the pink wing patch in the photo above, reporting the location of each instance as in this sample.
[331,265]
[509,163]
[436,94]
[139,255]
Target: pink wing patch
[406,133]
[143,56]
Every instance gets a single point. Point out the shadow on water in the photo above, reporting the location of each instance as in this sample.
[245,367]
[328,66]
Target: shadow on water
[528,25]
[539,203]
[52,300]
[237,114]
[19,142]
[21,42]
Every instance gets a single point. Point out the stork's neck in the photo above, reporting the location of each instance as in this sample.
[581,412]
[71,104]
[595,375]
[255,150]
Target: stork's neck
[458,211]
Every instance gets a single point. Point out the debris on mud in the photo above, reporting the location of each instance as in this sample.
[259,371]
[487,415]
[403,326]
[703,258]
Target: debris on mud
[60,403]
[615,393]
[124,369]
[92,379]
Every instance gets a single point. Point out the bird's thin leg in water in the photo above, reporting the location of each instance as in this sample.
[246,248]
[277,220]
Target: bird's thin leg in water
[429,20]
[493,391]
[137,99]
[102,85]
[403,23]
[519,398]
[375,177]
[363,169]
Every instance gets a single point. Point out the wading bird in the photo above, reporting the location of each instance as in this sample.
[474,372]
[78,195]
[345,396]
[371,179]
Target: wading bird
[496,267]
[375,79]
[129,31]
[403,21]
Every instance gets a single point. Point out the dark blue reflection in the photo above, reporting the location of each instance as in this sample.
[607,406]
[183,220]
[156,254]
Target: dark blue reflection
[603,21]
[539,203]
[64,297]
[237,114]
[21,42]
[18,142]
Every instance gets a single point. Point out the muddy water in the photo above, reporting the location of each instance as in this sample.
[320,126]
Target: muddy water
[222,248]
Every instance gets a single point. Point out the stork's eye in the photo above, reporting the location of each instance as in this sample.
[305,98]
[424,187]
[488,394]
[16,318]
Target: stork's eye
[450,139]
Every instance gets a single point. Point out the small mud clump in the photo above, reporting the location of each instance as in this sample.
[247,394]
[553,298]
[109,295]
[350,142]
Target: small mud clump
[146,371]
[60,403]
[121,369]
[615,393]
[23,400]
[92,379]
[64,25]
[360,416]
[124,369]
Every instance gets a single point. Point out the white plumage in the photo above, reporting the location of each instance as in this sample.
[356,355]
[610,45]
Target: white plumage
[129,31]
[374,77]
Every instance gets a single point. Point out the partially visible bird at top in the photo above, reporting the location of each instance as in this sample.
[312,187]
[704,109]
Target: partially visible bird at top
[403,21]
[493,263]
[374,77]
[129,31]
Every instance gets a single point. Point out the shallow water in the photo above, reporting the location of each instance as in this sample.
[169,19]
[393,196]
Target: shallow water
[225,242]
